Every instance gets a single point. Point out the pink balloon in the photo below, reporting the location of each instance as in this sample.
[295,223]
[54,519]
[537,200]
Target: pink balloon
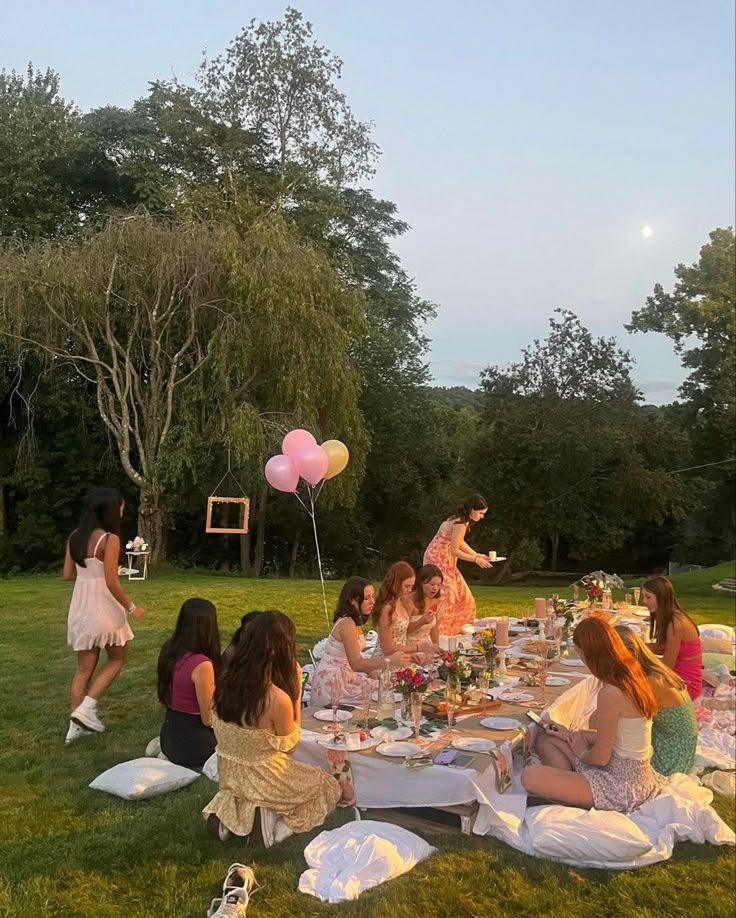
[312,463]
[281,474]
[295,441]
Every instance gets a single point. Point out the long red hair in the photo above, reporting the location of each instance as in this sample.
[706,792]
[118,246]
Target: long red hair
[390,589]
[608,658]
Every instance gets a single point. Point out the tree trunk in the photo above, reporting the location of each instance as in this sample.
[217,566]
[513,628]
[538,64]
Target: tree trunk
[295,552]
[246,568]
[152,525]
[261,531]
[2,510]
[555,542]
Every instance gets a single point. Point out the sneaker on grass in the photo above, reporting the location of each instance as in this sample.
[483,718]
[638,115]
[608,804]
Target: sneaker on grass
[239,877]
[233,905]
[76,732]
[87,717]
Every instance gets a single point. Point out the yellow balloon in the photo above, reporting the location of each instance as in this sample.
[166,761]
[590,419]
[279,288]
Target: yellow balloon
[337,456]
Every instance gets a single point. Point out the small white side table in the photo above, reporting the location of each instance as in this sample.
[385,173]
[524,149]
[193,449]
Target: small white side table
[138,554]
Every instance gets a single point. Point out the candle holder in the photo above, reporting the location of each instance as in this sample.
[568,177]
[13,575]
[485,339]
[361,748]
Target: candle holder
[501,676]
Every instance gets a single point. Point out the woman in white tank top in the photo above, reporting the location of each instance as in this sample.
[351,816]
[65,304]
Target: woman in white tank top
[607,767]
[97,612]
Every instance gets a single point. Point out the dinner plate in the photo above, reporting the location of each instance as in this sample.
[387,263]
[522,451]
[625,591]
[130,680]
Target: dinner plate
[500,723]
[515,697]
[388,735]
[639,611]
[497,558]
[397,697]
[341,745]
[327,715]
[557,680]
[398,750]
[571,661]
[473,744]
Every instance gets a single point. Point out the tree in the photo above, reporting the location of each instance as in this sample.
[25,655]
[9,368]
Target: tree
[563,446]
[699,315]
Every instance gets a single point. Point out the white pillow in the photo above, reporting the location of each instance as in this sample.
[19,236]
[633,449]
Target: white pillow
[716,631]
[140,779]
[209,770]
[574,835]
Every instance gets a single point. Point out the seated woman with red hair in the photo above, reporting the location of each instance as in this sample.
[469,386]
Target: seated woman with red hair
[607,767]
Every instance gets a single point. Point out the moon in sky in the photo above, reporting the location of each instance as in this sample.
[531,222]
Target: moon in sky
[647,232]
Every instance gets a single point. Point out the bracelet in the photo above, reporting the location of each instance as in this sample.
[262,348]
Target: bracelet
[131,608]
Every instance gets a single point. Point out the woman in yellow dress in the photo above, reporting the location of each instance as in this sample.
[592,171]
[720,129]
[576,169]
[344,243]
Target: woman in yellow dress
[256,719]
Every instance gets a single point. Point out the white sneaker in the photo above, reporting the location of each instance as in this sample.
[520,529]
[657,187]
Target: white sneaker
[76,732]
[239,877]
[233,905]
[88,719]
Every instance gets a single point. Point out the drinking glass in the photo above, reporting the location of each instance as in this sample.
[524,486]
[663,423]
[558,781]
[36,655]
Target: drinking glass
[628,599]
[575,592]
[416,714]
[365,692]
[543,678]
[637,594]
[484,683]
[452,697]
[335,692]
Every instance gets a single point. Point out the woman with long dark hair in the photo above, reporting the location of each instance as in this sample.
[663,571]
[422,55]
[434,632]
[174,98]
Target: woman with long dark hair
[187,666]
[457,606]
[674,727]
[675,635]
[607,767]
[391,619]
[256,720]
[342,657]
[229,652]
[97,612]
[422,604]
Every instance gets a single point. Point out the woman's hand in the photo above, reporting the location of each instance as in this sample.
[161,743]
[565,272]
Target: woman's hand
[430,649]
[426,618]
[557,730]
[482,562]
[139,612]
[579,744]
[396,660]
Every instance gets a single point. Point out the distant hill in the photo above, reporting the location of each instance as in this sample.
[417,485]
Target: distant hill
[457,396]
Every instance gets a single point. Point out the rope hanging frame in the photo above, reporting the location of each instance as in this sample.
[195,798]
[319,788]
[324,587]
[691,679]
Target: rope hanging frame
[215,499]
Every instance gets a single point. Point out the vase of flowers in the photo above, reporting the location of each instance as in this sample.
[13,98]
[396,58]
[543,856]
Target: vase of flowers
[137,544]
[593,589]
[453,667]
[487,643]
[408,681]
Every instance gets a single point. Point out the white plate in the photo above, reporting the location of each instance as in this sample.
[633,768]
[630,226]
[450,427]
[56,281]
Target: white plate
[500,723]
[557,680]
[398,750]
[569,661]
[341,746]
[639,611]
[397,697]
[327,715]
[386,734]
[497,558]
[473,744]
[515,697]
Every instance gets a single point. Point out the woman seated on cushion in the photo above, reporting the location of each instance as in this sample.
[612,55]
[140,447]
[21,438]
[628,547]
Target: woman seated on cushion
[256,721]
[675,634]
[422,604]
[608,767]
[186,683]
[342,657]
[674,728]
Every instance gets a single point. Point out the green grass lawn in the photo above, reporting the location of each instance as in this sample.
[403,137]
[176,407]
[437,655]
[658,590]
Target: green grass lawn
[67,850]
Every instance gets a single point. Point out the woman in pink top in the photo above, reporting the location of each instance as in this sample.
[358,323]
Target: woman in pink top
[186,684]
[675,635]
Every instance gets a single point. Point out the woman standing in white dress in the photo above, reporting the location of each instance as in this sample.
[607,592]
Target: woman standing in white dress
[97,612]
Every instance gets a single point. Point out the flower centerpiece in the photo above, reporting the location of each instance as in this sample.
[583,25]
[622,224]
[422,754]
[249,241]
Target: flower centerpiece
[137,544]
[407,681]
[593,588]
[487,643]
[453,667]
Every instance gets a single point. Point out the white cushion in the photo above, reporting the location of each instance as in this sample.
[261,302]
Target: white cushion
[574,835]
[140,779]
[209,769]
[716,631]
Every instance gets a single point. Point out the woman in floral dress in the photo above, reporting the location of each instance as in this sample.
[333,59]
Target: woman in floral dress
[457,605]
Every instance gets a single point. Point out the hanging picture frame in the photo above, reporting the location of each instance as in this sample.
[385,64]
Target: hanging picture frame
[227,515]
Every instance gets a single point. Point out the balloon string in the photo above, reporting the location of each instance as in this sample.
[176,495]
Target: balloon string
[319,558]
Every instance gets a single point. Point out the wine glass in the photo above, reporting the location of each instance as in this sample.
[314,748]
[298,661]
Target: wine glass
[637,594]
[335,693]
[543,679]
[484,683]
[575,592]
[366,691]
[628,599]
[416,714]
[452,697]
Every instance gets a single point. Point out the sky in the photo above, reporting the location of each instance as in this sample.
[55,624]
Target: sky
[526,144]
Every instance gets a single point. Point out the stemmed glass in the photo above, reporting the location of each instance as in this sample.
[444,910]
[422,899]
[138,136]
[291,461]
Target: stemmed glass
[637,594]
[484,683]
[335,693]
[452,696]
[543,678]
[575,592]
[416,714]
[366,691]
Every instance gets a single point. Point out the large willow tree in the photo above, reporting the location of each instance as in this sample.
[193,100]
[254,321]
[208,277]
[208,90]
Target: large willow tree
[160,316]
